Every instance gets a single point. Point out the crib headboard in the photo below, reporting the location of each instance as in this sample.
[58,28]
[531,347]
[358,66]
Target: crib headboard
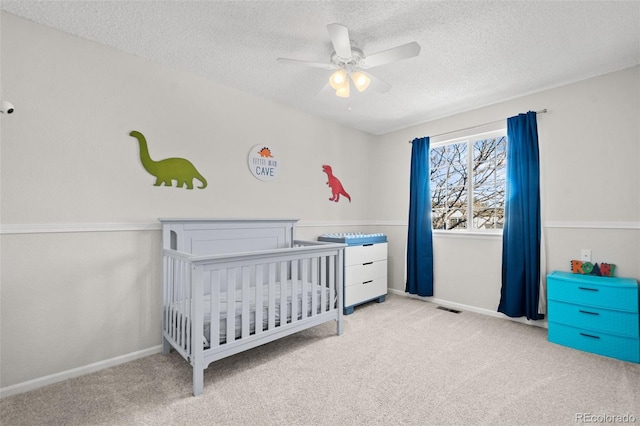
[223,236]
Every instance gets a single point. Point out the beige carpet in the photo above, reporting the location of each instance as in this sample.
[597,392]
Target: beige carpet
[399,362]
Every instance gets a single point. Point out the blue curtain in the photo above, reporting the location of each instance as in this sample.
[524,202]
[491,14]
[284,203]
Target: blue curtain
[522,227]
[419,239]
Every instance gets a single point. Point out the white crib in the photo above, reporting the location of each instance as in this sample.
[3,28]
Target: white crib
[233,284]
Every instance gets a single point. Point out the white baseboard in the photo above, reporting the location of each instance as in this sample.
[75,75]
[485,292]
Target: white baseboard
[463,307]
[76,372]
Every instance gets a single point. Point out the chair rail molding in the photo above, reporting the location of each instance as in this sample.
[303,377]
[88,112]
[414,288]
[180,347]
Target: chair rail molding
[48,228]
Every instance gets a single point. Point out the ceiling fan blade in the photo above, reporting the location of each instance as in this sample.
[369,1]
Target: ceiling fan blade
[339,35]
[394,54]
[306,63]
[377,84]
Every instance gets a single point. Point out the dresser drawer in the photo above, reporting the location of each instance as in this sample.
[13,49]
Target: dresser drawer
[365,291]
[592,318]
[615,293]
[624,348]
[357,255]
[357,274]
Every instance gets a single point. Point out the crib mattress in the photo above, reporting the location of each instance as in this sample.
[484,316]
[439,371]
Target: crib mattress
[265,308]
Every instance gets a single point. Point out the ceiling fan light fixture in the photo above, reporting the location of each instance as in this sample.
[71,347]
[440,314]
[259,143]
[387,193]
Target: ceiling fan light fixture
[348,60]
[338,79]
[343,91]
[360,80]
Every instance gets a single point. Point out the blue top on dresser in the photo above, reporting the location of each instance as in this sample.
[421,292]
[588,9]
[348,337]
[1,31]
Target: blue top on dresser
[353,239]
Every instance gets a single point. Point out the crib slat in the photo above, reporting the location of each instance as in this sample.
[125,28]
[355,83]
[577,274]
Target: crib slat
[272,296]
[165,291]
[304,296]
[208,307]
[246,302]
[331,279]
[187,295]
[168,303]
[314,286]
[194,324]
[283,292]
[231,309]
[259,299]
[176,303]
[195,289]
[323,281]
[214,327]
[294,292]
[170,290]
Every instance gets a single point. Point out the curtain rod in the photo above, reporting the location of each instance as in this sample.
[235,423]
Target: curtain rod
[542,111]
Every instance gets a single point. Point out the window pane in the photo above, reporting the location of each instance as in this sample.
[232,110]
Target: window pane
[456,197]
[452,184]
[449,193]
[500,217]
[456,219]
[489,182]
[437,157]
[457,152]
[438,218]
[488,218]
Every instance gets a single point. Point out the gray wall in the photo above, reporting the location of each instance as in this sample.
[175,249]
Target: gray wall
[80,245]
[589,153]
[80,238]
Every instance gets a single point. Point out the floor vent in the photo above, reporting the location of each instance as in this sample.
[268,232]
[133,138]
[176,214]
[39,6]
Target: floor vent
[442,308]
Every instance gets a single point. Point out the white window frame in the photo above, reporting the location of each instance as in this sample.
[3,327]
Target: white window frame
[469,138]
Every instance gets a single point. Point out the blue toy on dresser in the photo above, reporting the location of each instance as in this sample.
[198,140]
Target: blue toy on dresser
[365,267]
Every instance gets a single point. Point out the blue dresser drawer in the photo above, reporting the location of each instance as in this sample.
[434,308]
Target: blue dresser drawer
[624,348]
[605,292]
[592,318]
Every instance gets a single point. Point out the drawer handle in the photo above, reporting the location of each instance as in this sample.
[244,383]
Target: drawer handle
[589,335]
[587,312]
[367,245]
[588,289]
[367,282]
[368,263]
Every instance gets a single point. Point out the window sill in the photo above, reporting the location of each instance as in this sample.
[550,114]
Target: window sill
[468,234]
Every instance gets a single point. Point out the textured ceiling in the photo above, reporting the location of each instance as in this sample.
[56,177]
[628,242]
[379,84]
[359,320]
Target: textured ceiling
[474,53]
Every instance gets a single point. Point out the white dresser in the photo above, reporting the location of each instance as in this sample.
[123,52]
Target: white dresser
[365,267]
[365,274]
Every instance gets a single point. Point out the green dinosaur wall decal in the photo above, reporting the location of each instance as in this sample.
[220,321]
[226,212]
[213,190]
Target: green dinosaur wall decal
[179,169]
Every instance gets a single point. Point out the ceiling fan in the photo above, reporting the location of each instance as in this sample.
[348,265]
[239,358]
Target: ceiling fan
[350,62]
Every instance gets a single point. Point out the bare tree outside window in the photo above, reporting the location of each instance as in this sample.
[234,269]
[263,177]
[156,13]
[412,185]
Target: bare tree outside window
[468,180]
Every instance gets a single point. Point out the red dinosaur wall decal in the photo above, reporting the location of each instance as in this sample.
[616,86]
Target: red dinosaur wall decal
[334,183]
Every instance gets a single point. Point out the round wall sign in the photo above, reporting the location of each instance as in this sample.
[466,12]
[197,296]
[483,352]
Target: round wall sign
[263,163]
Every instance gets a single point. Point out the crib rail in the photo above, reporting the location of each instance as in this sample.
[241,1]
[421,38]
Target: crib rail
[214,306]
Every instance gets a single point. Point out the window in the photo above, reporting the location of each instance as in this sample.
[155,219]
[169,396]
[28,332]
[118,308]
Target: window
[468,180]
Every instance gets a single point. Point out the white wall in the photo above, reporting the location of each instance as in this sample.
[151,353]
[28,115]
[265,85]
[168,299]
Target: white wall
[590,151]
[69,157]
[70,299]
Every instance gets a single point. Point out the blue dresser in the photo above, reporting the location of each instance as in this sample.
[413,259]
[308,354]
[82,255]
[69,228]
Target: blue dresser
[595,314]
